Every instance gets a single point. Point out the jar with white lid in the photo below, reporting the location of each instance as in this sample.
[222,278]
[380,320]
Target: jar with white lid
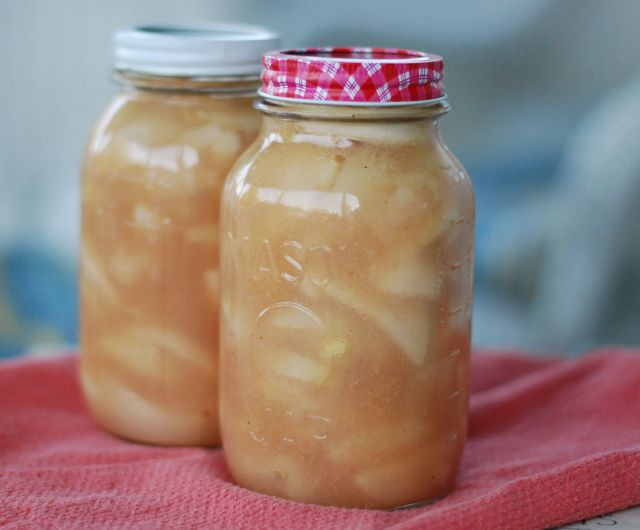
[347,238]
[153,173]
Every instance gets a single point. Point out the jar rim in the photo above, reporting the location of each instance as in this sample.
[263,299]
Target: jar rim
[291,109]
[367,104]
[232,86]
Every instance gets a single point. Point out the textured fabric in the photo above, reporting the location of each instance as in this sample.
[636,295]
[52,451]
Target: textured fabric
[550,442]
[355,76]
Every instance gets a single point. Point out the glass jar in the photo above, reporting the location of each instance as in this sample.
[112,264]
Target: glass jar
[152,178]
[347,255]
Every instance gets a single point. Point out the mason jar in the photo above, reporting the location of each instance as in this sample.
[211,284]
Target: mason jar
[153,173]
[347,237]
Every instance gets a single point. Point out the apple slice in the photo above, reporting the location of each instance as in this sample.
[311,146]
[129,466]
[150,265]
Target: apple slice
[406,273]
[148,351]
[417,474]
[297,368]
[407,327]
[96,278]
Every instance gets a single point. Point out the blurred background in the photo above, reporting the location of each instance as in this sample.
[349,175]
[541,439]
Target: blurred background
[546,118]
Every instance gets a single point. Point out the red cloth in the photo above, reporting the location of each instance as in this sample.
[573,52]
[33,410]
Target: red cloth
[550,442]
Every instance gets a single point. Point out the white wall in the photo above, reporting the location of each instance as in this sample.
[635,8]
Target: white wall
[519,74]
[55,61]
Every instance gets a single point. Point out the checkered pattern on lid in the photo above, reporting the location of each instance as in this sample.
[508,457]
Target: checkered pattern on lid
[352,76]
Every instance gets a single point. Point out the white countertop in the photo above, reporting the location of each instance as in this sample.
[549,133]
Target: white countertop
[625,520]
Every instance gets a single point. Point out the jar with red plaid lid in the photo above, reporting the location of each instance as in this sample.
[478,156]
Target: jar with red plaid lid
[347,238]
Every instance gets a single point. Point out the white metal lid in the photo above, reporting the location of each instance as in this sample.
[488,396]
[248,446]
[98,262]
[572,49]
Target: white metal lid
[201,50]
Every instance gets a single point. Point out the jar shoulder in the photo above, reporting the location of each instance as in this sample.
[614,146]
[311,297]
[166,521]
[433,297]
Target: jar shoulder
[157,118]
[307,168]
[154,139]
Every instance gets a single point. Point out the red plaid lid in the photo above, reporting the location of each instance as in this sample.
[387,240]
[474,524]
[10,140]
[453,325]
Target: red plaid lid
[352,76]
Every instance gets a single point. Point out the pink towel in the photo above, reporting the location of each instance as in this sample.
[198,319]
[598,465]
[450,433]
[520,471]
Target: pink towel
[550,442]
